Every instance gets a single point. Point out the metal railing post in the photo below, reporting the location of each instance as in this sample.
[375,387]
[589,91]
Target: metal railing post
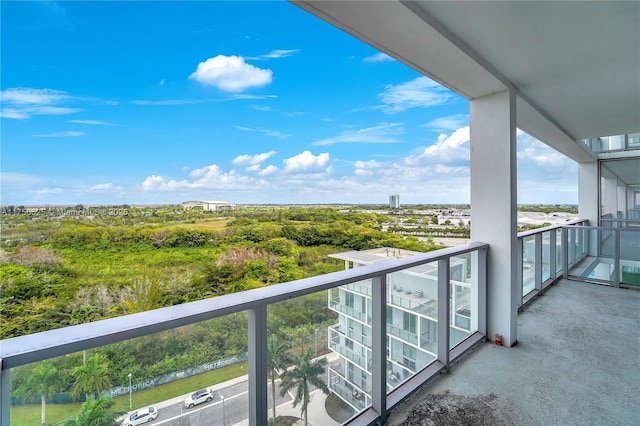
[482,291]
[379,346]
[537,239]
[565,252]
[616,261]
[552,254]
[5,396]
[258,403]
[519,269]
[444,314]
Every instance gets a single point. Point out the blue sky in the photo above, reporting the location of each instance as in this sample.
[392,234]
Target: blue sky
[246,102]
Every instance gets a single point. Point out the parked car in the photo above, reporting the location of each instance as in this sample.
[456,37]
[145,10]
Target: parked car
[198,397]
[141,416]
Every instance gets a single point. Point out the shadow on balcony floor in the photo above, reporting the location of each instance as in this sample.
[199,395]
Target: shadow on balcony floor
[577,363]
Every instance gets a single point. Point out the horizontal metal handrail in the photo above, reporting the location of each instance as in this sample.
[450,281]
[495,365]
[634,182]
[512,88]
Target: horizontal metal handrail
[49,344]
[574,222]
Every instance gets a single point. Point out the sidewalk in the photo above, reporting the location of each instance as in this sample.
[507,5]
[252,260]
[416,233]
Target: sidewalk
[317,415]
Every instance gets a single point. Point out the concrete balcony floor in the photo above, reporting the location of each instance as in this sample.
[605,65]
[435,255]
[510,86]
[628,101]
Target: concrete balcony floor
[577,362]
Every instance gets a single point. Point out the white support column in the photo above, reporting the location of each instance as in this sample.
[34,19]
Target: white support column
[588,190]
[493,205]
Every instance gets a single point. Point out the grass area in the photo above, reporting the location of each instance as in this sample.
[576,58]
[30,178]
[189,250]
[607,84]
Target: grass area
[29,415]
[630,278]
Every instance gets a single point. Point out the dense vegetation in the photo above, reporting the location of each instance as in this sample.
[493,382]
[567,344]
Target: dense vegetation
[73,269]
[76,270]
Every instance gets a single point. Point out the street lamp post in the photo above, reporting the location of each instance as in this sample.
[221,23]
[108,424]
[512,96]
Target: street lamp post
[222,398]
[315,342]
[130,400]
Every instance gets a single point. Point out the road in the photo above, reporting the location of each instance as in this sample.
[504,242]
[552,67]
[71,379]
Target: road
[216,413]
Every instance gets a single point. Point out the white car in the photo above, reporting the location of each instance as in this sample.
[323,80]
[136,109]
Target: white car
[141,416]
[198,397]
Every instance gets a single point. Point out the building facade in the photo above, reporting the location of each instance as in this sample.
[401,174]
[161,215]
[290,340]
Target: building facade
[394,201]
[210,206]
[412,322]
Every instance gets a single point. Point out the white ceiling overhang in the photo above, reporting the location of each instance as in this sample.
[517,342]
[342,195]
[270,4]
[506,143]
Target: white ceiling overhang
[575,66]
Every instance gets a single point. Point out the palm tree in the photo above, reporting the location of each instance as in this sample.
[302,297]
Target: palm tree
[91,377]
[94,413]
[278,359]
[305,373]
[42,381]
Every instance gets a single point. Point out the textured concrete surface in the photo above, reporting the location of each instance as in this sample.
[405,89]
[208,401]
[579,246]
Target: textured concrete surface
[577,362]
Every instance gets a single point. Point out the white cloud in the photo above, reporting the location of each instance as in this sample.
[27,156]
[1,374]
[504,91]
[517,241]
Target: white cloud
[306,162]
[421,92]
[272,133]
[208,177]
[28,96]
[449,123]
[92,122]
[382,133]
[231,74]
[263,108]
[269,170]
[250,160]
[378,57]
[14,113]
[61,134]
[275,54]
[106,187]
[162,82]
[366,168]
[21,103]
[450,148]
[535,155]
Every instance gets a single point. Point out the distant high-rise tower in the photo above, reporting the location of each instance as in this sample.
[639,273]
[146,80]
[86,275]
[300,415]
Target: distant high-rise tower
[394,201]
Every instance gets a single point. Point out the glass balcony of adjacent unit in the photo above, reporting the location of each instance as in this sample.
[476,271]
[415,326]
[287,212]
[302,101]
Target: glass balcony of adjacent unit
[612,143]
[348,391]
[361,287]
[340,304]
[350,349]
[412,300]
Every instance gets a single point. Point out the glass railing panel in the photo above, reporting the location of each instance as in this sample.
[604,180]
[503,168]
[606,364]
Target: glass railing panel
[183,374]
[528,264]
[412,315]
[593,266]
[633,141]
[305,334]
[559,250]
[606,242]
[463,288]
[572,246]
[630,257]
[546,255]
[331,324]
